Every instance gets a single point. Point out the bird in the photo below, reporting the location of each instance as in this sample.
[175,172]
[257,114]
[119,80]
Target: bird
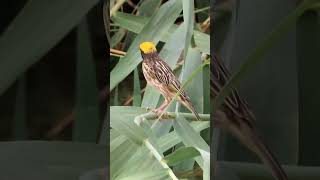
[159,75]
[235,117]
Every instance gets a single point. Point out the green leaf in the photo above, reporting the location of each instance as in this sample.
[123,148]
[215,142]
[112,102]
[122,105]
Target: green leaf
[136,88]
[149,154]
[116,97]
[155,150]
[148,157]
[143,157]
[86,125]
[36,29]
[169,140]
[191,138]
[38,160]
[194,91]
[136,23]
[117,37]
[206,89]
[195,88]
[121,150]
[203,5]
[161,128]
[188,18]
[146,175]
[188,135]
[115,142]
[126,152]
[147,8]
[181,154]
[122,120]
[130,22]
[162,19]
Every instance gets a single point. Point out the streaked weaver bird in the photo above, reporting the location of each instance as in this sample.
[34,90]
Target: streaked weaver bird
[159,75]
[235,117]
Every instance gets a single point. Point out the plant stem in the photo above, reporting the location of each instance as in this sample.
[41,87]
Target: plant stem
[169,115]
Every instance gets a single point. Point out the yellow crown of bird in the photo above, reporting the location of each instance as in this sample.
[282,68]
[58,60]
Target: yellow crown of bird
[148,47]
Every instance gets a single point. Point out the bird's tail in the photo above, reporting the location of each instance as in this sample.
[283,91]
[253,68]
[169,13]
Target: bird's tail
[191,108]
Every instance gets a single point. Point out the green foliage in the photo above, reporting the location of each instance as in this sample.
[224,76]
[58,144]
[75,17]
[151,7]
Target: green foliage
[262,57]
[50,160]
[134,141]
[136,89]
[181,154]
[142,146]
[36,18]
[36,29]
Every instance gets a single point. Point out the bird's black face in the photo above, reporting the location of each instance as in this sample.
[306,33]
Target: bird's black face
[148,55]
[143,55]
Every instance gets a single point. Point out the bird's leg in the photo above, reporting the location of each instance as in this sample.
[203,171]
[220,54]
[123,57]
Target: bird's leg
[162,107]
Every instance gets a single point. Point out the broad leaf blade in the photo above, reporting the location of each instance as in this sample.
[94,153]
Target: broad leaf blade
[191,138]
[136,23]
[145,175]
[195,88]
[181,154]
[122,120]
[136,88]
[21,46]
[40,160]
[188,16]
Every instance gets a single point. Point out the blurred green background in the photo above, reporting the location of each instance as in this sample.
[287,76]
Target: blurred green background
[53,89]
[272,48]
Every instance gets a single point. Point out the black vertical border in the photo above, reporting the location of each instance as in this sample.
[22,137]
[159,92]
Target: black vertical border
[212,152]
[106,127]
[308,46]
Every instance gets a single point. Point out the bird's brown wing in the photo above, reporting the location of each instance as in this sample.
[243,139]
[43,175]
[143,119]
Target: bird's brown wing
[165,75]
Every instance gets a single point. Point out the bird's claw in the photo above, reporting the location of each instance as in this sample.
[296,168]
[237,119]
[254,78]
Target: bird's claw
[160,113]
[157,111]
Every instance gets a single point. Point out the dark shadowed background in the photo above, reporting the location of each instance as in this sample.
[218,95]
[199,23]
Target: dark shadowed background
[282,88]
[53,89]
